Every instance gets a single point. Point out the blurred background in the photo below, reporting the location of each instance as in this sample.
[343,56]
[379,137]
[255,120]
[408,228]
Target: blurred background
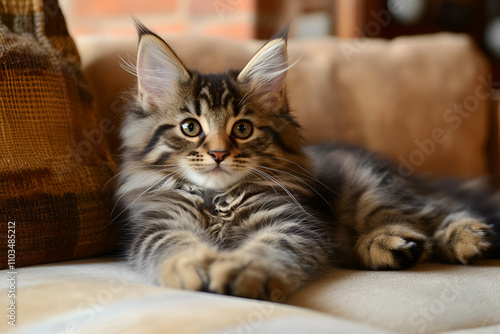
[259,19]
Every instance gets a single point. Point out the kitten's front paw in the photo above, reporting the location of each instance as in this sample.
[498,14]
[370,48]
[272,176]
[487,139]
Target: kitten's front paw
[391,247]
[462,241]
[187,269]
[244,275]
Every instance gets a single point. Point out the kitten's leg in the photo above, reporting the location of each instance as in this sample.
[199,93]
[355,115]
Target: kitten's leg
[392,234]
[243,273]
[186,266]
[174,258]
[271,264]
[461,238]
[397,231]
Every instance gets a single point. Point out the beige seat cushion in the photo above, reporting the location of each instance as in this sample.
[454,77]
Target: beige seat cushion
[105,296]
[429,298]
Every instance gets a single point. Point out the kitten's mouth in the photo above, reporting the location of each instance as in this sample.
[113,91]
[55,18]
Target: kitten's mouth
[217,170]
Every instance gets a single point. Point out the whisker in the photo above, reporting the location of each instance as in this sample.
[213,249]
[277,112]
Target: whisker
[301,180]
[316,179]
[137,167]
[292,197]
[293,163]
[151,172]
[144,192]
[263,179]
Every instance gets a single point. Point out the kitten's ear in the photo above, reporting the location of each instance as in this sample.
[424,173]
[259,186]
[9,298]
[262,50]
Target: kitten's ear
[266,71]
[159,70]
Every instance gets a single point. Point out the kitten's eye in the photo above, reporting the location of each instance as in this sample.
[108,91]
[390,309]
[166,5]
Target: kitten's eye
[191,127]
[242,129]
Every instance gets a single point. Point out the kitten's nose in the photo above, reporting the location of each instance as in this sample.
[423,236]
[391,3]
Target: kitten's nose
[218,156]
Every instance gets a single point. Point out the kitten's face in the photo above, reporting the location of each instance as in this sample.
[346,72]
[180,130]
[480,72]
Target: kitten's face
[213,138]
[213,130]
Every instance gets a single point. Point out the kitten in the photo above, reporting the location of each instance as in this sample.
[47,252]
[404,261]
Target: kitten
[221,195]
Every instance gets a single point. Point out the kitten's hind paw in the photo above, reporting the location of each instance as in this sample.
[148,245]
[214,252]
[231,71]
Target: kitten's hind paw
[462,241]
[391,247]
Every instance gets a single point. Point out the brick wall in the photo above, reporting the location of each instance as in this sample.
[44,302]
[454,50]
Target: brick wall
[229,18]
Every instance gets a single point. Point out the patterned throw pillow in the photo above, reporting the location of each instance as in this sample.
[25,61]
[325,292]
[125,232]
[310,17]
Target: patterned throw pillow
[54,159]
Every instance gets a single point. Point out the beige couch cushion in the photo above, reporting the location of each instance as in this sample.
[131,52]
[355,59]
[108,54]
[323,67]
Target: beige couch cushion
[106,296]
[429,298]
[421,100]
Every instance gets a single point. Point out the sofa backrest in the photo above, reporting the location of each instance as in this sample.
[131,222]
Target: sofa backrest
[423,101]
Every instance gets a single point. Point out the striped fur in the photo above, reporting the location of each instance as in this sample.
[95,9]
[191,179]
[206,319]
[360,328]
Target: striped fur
[220,195]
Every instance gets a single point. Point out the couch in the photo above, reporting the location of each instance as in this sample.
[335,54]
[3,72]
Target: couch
[391,96]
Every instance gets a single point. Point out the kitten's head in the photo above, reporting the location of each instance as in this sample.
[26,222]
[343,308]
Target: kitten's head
[213,130]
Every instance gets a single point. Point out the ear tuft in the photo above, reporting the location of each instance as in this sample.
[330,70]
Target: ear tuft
[142,29]
[159,70]
[266,71]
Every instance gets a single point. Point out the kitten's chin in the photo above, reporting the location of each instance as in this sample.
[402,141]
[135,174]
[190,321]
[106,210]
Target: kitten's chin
[216,179]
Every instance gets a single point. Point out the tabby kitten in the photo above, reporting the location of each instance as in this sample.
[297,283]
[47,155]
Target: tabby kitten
[221,196]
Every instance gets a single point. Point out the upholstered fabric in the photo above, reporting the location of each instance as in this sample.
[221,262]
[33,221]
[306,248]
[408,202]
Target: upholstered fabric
[54,160]
[429,298]
[105,296]
[423,101]
[420,100]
